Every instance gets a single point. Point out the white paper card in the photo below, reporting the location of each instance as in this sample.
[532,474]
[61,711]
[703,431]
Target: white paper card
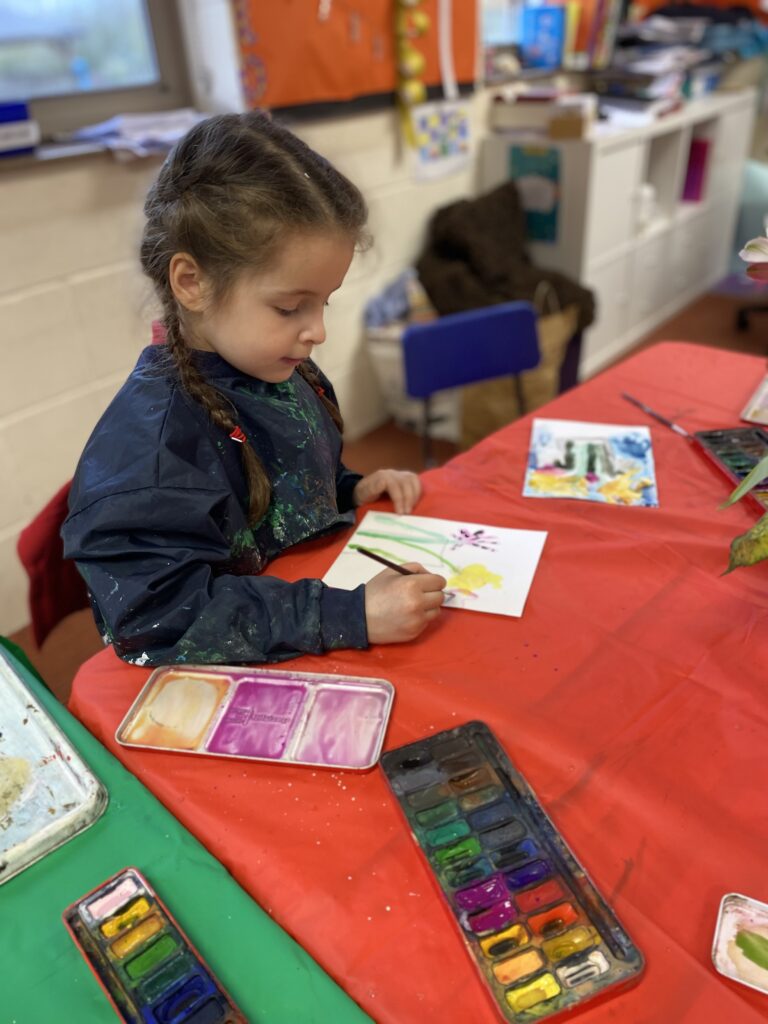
[488,568]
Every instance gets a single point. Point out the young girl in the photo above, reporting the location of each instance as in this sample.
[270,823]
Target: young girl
[222,449]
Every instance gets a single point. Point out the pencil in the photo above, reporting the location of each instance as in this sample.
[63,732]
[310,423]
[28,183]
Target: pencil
[657,416]
[383,560]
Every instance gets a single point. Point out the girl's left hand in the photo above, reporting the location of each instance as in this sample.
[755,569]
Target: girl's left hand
[404,488]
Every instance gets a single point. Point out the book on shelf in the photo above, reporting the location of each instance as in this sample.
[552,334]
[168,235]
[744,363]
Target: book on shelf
[631,112]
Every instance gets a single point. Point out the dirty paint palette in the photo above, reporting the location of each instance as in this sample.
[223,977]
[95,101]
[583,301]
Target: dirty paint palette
[740,945]
[144,962]
[47,794]
[290,717]
[735,452]
[541,935]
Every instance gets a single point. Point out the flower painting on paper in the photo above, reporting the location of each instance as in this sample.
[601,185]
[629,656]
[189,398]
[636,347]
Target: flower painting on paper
[591,461]
[487,569]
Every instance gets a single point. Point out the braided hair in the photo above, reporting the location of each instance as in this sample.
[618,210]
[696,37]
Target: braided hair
[226,195]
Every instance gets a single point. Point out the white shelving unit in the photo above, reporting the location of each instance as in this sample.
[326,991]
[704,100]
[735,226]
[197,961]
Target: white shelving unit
[642,270]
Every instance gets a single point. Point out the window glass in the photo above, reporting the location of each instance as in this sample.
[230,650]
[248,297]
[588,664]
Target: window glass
[64,47]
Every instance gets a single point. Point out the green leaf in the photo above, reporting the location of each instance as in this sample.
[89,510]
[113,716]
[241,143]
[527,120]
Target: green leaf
[749,547]
[755,475]
[754,947]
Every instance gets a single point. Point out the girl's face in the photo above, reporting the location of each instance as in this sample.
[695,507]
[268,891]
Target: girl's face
[271,321]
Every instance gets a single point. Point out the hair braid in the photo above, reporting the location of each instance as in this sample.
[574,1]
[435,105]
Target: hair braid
[311,376]
[220,412]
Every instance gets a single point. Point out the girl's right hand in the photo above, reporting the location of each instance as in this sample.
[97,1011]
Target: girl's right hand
[399,607]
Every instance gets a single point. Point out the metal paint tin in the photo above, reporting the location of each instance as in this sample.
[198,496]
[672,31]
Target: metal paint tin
[740,915]
[302,718]
[47,793]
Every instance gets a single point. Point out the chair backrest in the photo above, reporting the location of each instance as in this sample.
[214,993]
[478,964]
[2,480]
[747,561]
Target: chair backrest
[495,341]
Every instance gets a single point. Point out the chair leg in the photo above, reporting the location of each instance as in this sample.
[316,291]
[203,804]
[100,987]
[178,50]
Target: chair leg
[426,440]
[743,315]
[521,404]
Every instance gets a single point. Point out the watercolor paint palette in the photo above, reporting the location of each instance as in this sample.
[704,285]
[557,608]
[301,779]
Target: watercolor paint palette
[740,945]
[47,793]
[735,452]
[142,959]
[541,935]
[291,717]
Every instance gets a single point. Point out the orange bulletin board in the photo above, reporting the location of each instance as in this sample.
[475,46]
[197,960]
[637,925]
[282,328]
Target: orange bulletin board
[296,52]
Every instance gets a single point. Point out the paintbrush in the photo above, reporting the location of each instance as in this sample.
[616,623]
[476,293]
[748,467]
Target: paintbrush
[657,416]
[383,561]
[447,595]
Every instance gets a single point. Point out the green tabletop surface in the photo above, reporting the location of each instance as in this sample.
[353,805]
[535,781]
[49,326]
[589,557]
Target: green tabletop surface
[44,977]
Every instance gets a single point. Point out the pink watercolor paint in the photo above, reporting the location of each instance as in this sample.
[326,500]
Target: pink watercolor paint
[112,900]
[268,715]
[258,720]
[343,727]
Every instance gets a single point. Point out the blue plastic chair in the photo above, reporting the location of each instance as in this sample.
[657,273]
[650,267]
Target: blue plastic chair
[462,348]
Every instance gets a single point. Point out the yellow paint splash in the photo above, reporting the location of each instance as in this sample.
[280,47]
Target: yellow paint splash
[623,490]
[562,486]
[473,577]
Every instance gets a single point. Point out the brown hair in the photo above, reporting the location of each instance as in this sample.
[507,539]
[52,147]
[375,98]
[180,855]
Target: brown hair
[227,194]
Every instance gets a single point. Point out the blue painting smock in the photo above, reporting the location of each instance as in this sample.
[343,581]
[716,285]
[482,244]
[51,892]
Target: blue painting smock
[158,520]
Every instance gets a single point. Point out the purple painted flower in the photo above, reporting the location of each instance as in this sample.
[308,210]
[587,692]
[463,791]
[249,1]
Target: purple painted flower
[464,538]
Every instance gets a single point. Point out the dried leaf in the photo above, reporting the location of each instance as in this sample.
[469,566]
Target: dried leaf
[755,251]
[755,475]
[749,547]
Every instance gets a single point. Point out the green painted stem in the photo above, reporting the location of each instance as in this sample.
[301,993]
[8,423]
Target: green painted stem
[409,544]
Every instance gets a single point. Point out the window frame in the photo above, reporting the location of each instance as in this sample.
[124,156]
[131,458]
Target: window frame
[60,114]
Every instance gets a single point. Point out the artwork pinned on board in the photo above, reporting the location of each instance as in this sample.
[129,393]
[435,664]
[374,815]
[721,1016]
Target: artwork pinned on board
[441,139]
[487,568]
[601,462]
[536,173]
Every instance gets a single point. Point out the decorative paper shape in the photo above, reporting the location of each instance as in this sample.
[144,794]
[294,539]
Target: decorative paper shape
[601,462]
[488,568]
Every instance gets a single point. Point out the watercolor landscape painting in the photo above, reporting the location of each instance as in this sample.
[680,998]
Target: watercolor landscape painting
[601,462]
[487,568]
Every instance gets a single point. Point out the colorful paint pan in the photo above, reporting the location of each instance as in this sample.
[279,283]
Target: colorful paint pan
[146,965]
[290,717]
[735,452]
[47,793]
[740,946]
[542,937]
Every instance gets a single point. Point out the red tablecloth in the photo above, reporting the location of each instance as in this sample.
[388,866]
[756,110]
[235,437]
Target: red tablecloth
[631,694]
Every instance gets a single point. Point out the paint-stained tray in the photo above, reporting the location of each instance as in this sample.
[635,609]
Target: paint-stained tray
[47,793]
[147,967]
[543,938]
[324,721]
[740,945]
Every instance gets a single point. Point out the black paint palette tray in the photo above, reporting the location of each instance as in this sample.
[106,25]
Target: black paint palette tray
[735,452]
[542,937]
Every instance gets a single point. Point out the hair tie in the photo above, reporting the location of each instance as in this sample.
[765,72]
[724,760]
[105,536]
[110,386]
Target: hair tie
[238,435]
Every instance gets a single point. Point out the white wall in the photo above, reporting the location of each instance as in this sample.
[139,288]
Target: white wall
[74,311]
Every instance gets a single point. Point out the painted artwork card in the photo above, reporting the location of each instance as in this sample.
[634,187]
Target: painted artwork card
[488,568]
[756,409]
[602,462]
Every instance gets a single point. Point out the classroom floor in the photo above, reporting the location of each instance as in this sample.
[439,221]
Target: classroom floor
[711,320]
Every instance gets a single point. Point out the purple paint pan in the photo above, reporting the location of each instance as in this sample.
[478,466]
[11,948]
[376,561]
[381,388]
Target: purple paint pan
[263,715]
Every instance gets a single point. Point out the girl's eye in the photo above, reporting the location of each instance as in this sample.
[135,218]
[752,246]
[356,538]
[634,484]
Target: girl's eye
[286,312]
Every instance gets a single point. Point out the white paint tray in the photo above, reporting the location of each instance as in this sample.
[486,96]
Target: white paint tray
[47,793]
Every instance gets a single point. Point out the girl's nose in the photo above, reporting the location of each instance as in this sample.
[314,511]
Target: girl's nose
[314,331]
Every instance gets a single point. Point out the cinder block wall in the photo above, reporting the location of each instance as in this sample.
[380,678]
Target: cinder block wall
[75,311]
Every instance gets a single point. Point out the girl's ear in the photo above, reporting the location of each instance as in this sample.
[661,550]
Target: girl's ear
[187,282]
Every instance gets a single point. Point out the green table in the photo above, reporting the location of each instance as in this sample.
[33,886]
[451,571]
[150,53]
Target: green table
[46,980]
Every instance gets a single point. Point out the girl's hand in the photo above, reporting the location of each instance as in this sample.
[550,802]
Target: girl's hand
[404,488]
[399,607]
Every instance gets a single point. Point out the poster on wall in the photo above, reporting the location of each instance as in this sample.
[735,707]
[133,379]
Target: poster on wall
[536,172]
[306,52]
[441,139]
